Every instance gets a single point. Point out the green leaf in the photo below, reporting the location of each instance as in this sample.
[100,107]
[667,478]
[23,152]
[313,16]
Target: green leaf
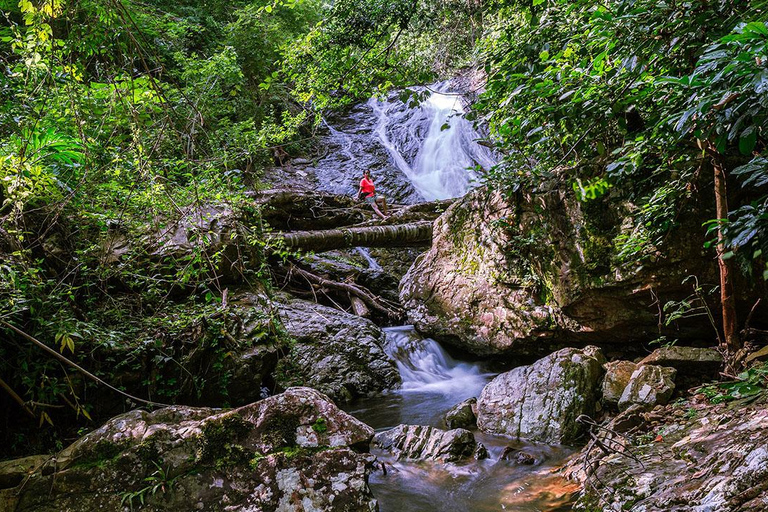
[747,140]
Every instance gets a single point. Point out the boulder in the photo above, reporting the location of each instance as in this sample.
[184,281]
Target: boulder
[416,442]
[517,456]
[649,386]
[462,415]
[541,402]
[294,451]
[335,352]
[689,360]
[529,277]
[617,375]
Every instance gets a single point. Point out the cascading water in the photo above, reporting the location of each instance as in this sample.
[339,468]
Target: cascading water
[432,383]
[415,154]
[432,144]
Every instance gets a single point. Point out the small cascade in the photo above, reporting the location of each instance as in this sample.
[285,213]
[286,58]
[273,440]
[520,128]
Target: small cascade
[366,254]
[426,367]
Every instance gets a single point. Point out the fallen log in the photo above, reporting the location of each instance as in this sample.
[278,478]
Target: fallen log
[398,235]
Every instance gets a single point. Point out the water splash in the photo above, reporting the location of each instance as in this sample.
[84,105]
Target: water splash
[366,254]
[425,367]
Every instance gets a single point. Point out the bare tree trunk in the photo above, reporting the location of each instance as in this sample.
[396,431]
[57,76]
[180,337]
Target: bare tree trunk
[398,235]
[727,298]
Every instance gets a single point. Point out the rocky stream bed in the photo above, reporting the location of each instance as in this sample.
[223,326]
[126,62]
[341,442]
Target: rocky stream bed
[459,372]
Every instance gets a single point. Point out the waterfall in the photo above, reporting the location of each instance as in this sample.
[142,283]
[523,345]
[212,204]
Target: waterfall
[414,154]
[425,367]
[445,144]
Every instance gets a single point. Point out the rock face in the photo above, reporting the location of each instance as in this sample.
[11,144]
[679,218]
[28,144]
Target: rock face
[294,451]
[541,402]
[418,442]
[649,386]
[530,277]
[617,376]
[335,352]
[462,415]
[716,461]
[686,359]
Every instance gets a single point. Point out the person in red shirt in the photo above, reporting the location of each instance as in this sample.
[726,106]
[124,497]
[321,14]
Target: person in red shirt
[367,192]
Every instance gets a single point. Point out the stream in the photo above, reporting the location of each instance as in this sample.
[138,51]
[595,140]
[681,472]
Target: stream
[433,382]
[420,154]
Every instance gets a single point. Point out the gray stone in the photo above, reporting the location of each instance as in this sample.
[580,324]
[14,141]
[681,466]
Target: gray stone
[337,353]
[462,415]
[290,452]
[541,402]
[617,375]
[649,386]
[481,285]
[416,442]
[686,359]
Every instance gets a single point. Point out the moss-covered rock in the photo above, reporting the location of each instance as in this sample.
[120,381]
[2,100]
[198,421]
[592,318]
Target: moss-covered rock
[532,275]
[266,456]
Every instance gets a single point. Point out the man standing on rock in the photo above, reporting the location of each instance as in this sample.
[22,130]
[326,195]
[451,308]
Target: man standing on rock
[368,192]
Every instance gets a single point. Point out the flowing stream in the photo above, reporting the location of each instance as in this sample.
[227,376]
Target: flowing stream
[433,382]
[417,154]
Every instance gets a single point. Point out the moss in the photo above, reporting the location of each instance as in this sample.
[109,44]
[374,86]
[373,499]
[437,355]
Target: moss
[102,454]
[220,437]
[320,425]
[281,431]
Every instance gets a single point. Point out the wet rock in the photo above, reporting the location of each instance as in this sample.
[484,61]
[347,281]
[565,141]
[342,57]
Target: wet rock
[335,352]
[617,376]
[649,386]
[688,360]
[294,451]
[418,442]
[517,456]
[462,415]
[715,462]
[541,402]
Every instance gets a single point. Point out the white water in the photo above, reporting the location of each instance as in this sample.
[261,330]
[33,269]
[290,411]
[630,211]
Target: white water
[426,367]
[366,254]
[445,144]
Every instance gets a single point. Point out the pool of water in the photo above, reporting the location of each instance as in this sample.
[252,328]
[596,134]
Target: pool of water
[433,382]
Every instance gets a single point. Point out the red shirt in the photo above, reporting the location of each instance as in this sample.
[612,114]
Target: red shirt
[366,185]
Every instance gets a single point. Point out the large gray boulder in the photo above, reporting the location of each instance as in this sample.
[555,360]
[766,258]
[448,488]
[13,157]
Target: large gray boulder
[291,452]
[541,273]
[341,355]
[417,442]
[541,402]
[649,386]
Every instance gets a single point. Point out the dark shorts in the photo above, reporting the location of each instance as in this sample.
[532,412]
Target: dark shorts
[372,199]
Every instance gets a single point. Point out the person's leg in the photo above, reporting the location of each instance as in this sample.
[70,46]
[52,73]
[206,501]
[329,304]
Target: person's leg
[372,202]
[378,212]
[382,201]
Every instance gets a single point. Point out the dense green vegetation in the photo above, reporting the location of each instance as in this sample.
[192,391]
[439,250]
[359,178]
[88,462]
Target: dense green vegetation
[118,118]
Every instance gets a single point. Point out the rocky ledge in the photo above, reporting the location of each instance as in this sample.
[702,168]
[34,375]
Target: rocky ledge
[290,452]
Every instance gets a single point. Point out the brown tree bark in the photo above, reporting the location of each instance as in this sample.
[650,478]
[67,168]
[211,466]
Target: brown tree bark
[397,235]
[727,298]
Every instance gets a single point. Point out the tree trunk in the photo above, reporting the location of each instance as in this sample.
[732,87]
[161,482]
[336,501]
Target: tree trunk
[727,299]
[398,235]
